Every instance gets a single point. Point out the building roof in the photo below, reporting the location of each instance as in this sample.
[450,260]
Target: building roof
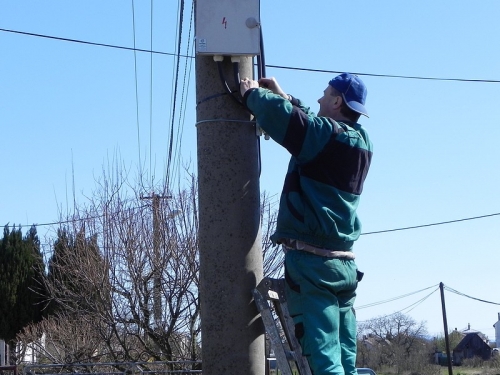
[470,340]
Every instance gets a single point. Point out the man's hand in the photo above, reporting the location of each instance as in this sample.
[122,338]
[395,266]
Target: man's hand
[247,84]
[272,85]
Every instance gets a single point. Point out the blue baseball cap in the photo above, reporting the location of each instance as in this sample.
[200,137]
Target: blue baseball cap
[353,91]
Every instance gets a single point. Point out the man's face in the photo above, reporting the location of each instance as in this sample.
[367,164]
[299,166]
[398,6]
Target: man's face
[328,102]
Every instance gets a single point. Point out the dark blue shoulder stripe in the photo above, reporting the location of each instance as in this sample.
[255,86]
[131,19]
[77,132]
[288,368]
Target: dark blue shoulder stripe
[296,131]
[340,165]
[292,185]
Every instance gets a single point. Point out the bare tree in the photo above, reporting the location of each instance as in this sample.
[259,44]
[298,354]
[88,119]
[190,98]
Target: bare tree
[272,255]
[63,338]
[126,258]
[394,340]
[125,276]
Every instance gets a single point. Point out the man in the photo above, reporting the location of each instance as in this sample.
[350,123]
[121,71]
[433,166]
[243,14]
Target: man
[317,221]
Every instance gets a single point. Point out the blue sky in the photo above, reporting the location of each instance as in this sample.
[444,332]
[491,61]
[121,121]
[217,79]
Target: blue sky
[68,110]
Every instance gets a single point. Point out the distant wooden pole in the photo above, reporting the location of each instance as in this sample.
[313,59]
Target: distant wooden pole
[157,271]
[445,324]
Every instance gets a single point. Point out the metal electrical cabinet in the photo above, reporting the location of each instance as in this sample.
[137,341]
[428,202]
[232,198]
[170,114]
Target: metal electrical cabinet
[228,27]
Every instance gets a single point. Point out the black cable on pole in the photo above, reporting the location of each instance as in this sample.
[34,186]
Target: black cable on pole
[236,74]
[225,85]
[261,58]
[261,72]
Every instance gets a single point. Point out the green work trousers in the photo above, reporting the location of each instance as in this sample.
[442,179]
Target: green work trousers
[320,293]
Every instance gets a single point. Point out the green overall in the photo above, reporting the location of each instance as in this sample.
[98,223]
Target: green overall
[320,293]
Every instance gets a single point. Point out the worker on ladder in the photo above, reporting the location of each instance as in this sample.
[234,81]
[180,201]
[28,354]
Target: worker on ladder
[317,222]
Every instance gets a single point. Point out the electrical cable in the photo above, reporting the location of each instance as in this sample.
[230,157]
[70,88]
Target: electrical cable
[136,94]
[79,41]
[179,42]
[151,93]
[225,85]
[269,66]
[386,75]
[394,298]
[224,120]
[261,66]
[465,295]
[261,72]
[261,58]
[171,119]
[412,306]
[73,220]
[423,299]
[377,232]
[185,90]
[236,74]
[432,224]
[218,95]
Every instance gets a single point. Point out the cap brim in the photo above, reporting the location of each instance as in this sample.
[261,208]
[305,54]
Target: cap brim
[357,107]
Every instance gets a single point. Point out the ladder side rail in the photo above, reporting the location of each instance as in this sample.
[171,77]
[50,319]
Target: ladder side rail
[289,329]
[272,331]
[293,342]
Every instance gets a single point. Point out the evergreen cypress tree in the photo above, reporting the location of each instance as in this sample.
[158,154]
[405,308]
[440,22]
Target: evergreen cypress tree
[8,282]
[21,281]
[32,295]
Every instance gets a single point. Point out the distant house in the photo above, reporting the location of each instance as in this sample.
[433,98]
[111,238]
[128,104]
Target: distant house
[370,342]
[471,345]
[468,330]
[497,332]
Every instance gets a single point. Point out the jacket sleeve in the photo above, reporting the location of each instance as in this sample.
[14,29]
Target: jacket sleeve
[292,126]
[302,107]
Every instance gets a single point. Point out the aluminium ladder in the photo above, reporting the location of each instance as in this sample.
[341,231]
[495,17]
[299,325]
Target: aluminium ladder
[269,296]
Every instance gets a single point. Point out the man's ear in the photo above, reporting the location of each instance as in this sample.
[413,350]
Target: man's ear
[337,103]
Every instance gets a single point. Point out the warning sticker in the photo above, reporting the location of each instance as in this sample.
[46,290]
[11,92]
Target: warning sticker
[202,45]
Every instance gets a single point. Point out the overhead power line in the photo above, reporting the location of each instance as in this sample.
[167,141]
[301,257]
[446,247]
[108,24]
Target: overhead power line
[367,233]
[432,224]
[386,75]
[89,43]
[395,298]
[406,309]
[267,65]
[415,304]
[77,219]
[465,295]
[174,96]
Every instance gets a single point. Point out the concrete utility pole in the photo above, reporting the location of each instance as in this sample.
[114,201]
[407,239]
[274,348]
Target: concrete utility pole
[229,234]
